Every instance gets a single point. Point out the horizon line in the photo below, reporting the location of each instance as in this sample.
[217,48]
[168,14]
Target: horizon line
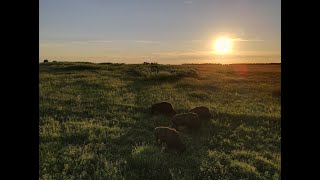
[87,62]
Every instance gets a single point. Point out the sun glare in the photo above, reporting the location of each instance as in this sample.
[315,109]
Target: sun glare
[223,45]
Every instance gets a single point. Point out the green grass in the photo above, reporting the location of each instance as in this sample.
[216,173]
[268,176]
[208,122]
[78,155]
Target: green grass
[95,121]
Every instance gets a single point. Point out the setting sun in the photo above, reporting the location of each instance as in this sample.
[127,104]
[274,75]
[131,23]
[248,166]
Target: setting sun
[223,45]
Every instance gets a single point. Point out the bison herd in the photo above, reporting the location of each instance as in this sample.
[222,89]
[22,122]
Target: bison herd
[191,119]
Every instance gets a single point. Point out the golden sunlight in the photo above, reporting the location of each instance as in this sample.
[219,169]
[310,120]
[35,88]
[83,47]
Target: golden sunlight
[223,45]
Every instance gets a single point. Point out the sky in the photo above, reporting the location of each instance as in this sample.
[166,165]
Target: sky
[166,31]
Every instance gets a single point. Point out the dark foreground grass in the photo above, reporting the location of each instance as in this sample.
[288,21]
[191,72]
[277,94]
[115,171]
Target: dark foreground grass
[95,121]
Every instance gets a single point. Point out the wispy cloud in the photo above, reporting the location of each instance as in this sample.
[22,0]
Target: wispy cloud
[194,41]
[80,43]
[184,53]
[100,41]
[148,42]
[65,42]
[52,44]
[91,41]
[247,40]
[208,53]
[187,2]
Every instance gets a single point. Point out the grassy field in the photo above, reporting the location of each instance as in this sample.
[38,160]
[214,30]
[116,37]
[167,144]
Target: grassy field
[95,121]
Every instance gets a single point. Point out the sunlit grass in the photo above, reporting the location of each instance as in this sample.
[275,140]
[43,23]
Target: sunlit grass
[95,121]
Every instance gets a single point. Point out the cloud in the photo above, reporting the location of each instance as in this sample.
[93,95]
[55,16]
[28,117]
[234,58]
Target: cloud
[247,40]
[49,44]
[99,41]
[91,41]
[193,41]
[184,53]
[74,41]
[148,42]
[187,2]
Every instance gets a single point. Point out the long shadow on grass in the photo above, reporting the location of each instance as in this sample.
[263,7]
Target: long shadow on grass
[225,134]
[135,143]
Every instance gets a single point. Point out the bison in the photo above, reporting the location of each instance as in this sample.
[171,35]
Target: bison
[170,137]
[190,120]
[202,111]
[163,108]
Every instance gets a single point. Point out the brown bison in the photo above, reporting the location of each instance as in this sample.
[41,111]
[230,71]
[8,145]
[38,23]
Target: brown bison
[163,108]
[190,120]
[202,111]
[169,136]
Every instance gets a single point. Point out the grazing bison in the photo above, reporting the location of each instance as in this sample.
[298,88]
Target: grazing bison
[163,108]
[169,136]
[202,111]
[190,120]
